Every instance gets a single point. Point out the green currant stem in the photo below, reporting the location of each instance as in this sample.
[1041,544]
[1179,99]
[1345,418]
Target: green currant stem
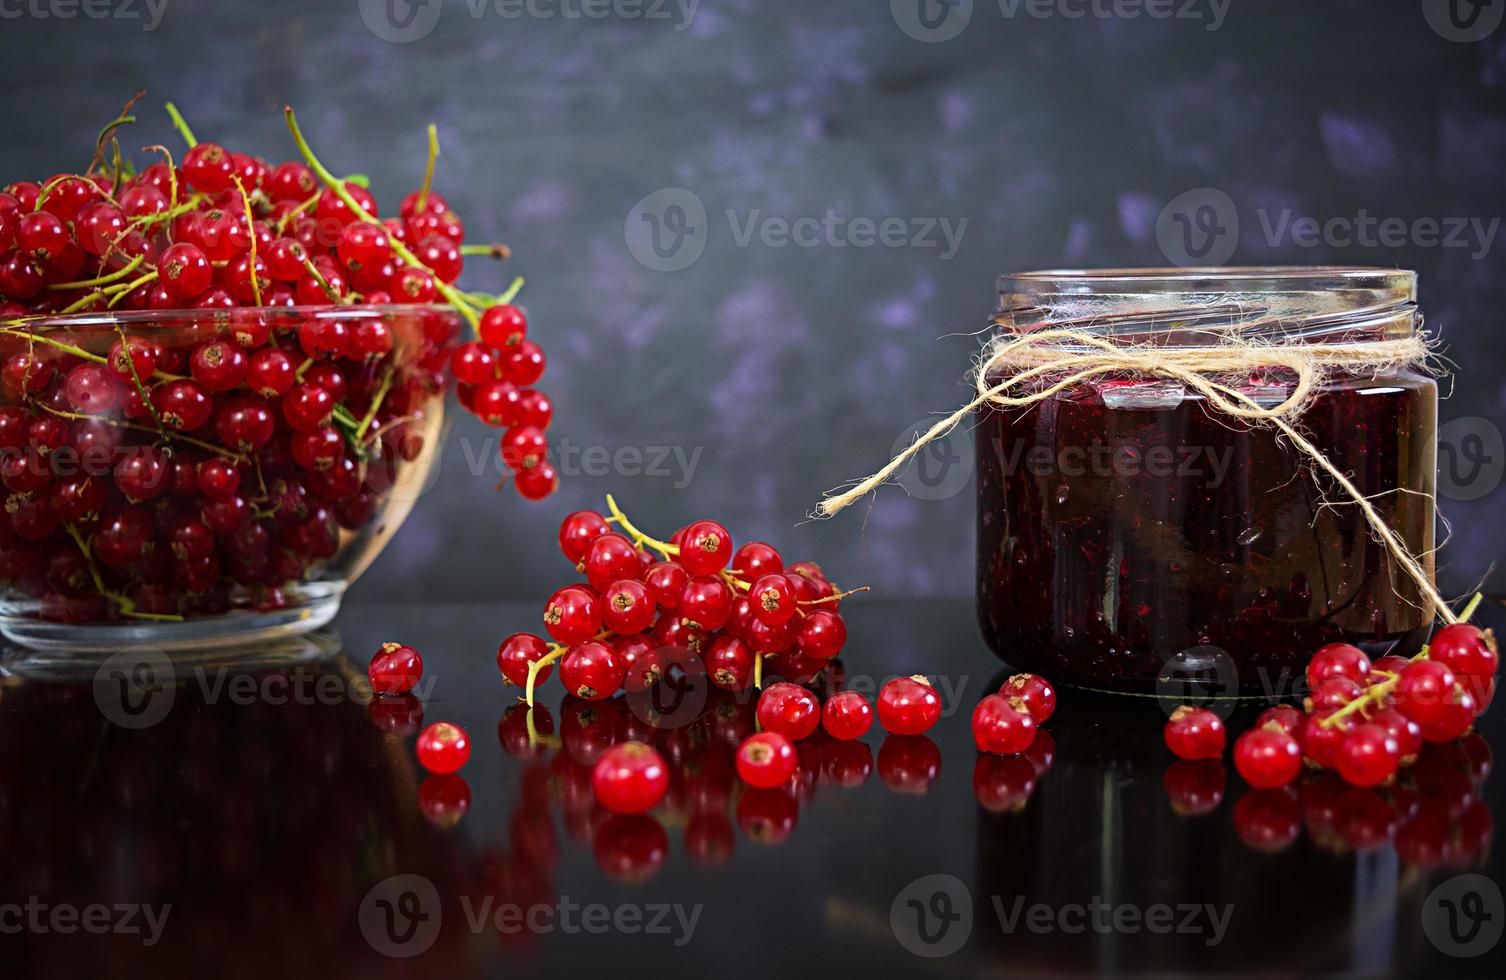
[251,226]
[124,603]
[424,188]
[181,125]
[837,597]
[126,288]
[173,436]
[141,389]
[376,403]
[115,276]
[329,290]
[512,291]
[535,739]
[454,296]
[308,362]
[497,251]
[60,345]
[172,175]
[1377,693]
[282,222]
[107,134]
[556,651]
[639,538]
[758,671]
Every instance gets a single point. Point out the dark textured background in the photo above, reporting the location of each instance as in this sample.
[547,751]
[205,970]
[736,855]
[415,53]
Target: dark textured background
[790,369]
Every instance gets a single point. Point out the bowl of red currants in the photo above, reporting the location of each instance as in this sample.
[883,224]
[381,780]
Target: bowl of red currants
[195,476]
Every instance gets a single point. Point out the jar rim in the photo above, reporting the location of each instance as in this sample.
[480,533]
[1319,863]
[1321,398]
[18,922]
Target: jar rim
[1198,279]
[1267,301]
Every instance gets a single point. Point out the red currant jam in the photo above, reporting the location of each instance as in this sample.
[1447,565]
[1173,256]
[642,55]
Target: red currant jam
[1123,521]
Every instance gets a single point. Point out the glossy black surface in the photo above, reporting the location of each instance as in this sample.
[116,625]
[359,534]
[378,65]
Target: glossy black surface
[266,813]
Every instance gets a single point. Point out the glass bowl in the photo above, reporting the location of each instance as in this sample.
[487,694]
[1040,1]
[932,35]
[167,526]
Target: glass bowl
[217,500]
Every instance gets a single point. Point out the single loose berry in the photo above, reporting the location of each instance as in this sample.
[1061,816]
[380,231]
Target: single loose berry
[908,705]
[766,760]
[1267,757]
[847,715]
[630,778]
[443,747]
[1036,692]
[1284,716]
[1194,733]
[1002,726]
[395,669]
[790,710]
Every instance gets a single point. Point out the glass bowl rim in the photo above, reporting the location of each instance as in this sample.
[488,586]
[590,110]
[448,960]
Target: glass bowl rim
[174,317]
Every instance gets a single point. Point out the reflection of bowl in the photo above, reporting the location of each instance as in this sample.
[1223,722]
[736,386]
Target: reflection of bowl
[117,532]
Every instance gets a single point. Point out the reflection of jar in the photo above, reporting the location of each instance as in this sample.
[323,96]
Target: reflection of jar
[1122,521]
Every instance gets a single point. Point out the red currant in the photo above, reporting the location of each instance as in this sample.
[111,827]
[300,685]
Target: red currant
[1002,726]
[1337,660]
[593,671]
[766,760]
[707,548]
[1423,691]
[517,653]
[395,669]
[1466,650]
[503,327]
[1267,757]
[578,531]
[627,607]
[1368,755]
[573,615]
[610,557]
[908,705]
[790,710]
[443,747]
[1194,733]
[630,778]
[847,715]
[1037,694]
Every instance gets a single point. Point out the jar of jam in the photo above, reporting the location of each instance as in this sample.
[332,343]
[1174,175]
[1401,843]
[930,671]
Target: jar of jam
[1127,528]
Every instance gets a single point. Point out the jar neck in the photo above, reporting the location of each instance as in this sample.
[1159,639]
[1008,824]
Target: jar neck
[1197,307]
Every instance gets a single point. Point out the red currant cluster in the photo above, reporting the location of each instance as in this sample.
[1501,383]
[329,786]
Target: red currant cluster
[644,599]
[1386,724]
[1362,720]
[159,463]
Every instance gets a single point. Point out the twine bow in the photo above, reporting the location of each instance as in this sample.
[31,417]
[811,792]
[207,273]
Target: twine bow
[1070,357]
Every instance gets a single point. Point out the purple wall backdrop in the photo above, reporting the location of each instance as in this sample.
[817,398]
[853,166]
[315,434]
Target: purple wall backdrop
[770,368]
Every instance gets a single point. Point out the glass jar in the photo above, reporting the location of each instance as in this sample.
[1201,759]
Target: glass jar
[1126,528]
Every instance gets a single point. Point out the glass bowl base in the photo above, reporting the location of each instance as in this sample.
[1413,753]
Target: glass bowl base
[320,602]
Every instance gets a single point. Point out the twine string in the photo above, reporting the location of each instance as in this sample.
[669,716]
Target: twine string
[1071,357]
